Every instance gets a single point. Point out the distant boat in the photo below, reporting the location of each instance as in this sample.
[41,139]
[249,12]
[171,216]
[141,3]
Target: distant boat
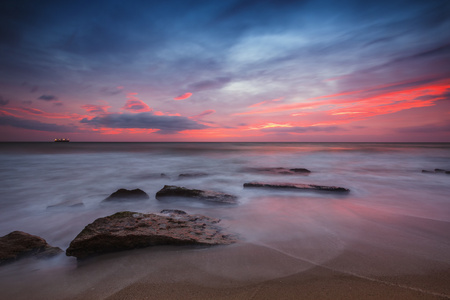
[61,140]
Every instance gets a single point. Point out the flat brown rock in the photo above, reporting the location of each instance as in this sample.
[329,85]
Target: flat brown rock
[129,230]
[19,244]
[279,171]
[297,186]
[171,191]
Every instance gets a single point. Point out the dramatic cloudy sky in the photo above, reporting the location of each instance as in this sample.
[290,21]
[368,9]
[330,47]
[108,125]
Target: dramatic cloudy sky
[231,70]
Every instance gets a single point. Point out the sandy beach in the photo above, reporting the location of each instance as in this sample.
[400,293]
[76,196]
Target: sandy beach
[245,271]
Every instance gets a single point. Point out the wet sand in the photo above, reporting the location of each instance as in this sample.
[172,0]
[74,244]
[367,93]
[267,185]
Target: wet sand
[242,271]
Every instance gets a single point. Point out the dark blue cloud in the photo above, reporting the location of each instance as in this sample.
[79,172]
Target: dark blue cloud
[215,83]
[165,124]
[48,98]
[3,102]
[34,125]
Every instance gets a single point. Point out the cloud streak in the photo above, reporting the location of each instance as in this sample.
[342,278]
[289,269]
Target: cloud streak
[184,96]
[7,120]
[165,124]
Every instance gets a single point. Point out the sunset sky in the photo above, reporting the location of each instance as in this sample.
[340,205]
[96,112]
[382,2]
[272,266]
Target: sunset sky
[204,70]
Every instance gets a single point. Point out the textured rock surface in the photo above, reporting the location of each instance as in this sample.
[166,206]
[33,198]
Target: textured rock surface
[279,171]
[19,244]
[171,191]
[124,194]
[129,230]
[296,186]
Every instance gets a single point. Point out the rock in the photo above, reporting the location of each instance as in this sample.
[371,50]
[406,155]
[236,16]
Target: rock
[300,170]
[124,194]
[19,244]
[129,230]
[280,171]
[191,175]
[173,212]
[66,205]
[170,191]
[436,171]
[296,186]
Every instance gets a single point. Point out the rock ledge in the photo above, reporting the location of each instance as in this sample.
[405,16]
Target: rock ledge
[171,191]
[297,186]
[129,230]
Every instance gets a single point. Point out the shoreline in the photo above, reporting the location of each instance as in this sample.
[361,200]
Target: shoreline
[242,271]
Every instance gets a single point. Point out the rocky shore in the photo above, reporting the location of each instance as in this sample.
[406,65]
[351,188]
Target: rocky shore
[18,244]
[129,230]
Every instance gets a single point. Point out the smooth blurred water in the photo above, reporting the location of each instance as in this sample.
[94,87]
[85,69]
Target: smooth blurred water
[387,187]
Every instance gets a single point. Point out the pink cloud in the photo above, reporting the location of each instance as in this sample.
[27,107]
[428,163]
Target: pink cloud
[135,104]
[160,113]
[205,113]
[96,109]
[182,97]
[267,101]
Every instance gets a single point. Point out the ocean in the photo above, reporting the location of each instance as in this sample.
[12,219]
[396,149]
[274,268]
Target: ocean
[54,190]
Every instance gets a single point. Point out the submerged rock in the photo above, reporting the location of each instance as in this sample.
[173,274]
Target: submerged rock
[279,171]
[173,212]
[297,186]
[171,191]
[18,244]
[66,205]
[436,171]
[124,194]
[300,170]
[128,230]
[191,175]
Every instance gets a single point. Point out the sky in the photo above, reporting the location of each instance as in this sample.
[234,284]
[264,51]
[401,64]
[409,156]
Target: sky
[231,70]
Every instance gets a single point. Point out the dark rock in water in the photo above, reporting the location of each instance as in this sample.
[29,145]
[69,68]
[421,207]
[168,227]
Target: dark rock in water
[191,175]
[19,244]
[296,186]
[129,230]
[124,194]
[279,171]
[173,211]
[65,205]
[436,171]
[300,170]
[170,191]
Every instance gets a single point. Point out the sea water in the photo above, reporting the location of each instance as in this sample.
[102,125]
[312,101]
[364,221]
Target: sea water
[54,190]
